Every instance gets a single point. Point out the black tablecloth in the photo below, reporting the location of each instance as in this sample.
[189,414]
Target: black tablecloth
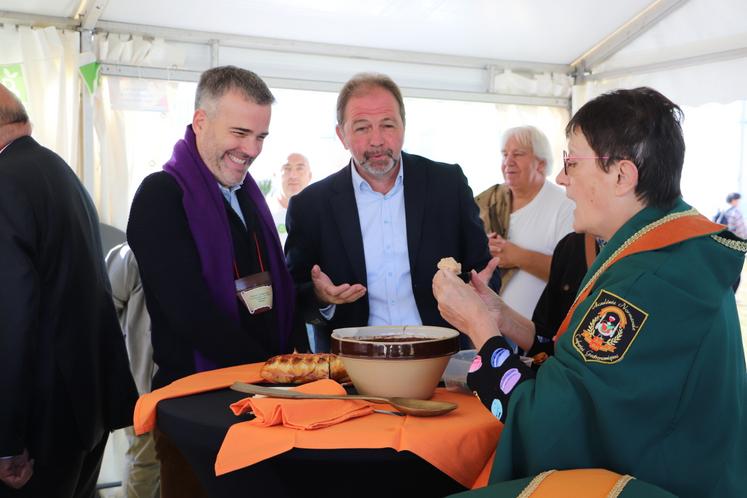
[197,425]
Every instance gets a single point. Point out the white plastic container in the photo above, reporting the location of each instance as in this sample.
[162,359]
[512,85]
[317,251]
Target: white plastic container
[455,375]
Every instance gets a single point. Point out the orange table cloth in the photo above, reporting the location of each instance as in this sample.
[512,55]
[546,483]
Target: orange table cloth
[144,417]
[461,443]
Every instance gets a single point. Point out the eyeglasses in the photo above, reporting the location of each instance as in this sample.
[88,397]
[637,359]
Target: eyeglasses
[569,158]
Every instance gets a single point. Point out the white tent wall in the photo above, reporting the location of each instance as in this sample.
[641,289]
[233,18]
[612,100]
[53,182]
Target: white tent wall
[144,117]
[120,157]
[109,169]
[715,132]
[696,56]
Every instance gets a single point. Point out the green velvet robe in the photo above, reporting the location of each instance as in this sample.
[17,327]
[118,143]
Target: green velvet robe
[666,403]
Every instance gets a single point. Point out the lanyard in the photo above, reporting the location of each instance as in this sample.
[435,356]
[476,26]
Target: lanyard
[259,257]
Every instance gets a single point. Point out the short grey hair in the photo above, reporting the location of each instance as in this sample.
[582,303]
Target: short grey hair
[529,136]
[363,82]
[216,82]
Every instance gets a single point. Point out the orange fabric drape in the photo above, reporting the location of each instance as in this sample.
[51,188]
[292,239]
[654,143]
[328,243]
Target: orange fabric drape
[144,418]
[461,443]
[304,414]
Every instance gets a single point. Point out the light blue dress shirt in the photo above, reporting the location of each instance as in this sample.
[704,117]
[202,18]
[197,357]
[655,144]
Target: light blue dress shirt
[384,231]
[230,194]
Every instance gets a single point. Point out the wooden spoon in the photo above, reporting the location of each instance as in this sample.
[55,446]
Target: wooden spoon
[409,406]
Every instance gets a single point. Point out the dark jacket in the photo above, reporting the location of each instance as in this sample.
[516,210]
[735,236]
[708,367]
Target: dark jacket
[567,270]
[184,316]
[441,217]
[65,376]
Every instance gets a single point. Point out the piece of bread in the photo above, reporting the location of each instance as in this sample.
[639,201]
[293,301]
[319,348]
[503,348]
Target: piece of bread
[450,264]
[300,368]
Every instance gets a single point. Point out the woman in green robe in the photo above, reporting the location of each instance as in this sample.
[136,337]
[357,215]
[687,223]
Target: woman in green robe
[648,377]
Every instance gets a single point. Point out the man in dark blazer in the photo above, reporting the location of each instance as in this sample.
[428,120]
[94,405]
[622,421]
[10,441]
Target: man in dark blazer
[378,227]
[65,377]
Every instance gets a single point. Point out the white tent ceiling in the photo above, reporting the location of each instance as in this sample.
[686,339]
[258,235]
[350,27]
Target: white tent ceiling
[444,48]
[494,29]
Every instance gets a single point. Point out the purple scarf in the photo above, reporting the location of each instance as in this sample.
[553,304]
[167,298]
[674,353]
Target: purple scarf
[208,222]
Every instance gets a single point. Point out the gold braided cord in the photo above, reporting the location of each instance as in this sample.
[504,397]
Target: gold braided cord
[640,233]
[737,245]
[534,484]
[619,486]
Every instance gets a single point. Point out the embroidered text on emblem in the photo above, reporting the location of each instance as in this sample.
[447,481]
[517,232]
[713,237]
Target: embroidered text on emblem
[609,327]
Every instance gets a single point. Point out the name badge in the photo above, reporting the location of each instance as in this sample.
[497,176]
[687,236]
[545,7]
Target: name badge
[255,291]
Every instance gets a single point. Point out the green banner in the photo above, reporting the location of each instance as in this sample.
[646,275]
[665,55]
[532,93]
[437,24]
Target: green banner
[90,74]
[11,76]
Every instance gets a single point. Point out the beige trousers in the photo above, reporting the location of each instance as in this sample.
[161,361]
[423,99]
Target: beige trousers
[142,471]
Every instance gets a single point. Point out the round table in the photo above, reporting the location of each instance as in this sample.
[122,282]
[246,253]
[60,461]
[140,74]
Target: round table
[197,425]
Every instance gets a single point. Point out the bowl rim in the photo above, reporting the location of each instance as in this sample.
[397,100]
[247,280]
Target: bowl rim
[429,348]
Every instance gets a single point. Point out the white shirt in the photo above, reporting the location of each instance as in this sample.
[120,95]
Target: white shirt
[230,195]
[538,226]
[384,231]
[278,217]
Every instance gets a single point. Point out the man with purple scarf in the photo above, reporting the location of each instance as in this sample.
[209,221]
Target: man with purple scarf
[201,230]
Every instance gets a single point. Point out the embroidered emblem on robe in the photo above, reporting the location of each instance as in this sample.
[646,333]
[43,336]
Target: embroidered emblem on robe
[608,329]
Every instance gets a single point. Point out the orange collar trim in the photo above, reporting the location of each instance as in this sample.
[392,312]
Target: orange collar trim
[669,230]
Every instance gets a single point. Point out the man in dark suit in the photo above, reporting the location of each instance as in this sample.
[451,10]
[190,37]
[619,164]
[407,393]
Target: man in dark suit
[65,377]
[378,227]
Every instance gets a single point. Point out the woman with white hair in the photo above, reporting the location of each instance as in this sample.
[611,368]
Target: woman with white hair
[525,217]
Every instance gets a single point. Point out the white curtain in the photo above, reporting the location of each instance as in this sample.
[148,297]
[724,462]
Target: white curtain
[110,191]
[138,120]
[537,85]
[135,51]
[48,63]
[114,148]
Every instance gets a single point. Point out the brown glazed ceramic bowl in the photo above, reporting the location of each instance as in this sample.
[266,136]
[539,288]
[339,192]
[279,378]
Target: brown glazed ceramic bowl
[403,361]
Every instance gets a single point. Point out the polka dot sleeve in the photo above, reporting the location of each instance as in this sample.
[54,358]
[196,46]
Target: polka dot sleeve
[494,374]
